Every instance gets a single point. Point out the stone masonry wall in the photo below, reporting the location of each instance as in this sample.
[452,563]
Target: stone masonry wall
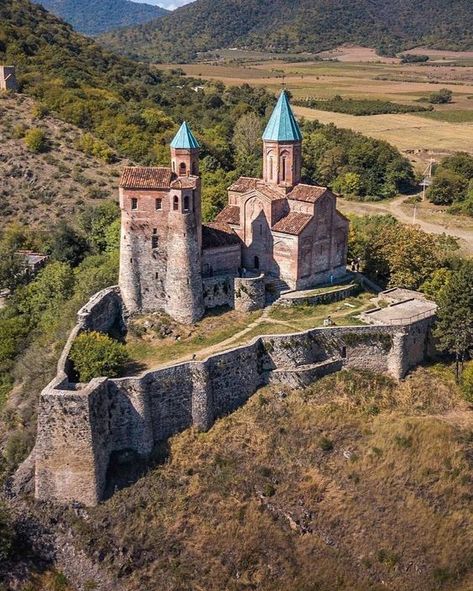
[250,293]
[218,291]
[79,426]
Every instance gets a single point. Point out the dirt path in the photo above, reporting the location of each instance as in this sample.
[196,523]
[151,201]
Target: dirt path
[396,207]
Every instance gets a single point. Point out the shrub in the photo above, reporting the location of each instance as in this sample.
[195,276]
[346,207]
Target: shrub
[95,355]
[441,97]
[36,141]
[326,444]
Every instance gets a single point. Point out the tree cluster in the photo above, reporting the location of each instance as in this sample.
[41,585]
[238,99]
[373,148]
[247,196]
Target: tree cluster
[452,183]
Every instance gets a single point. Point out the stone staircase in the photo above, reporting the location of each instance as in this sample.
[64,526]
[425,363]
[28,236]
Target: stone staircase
[276,288]
[303,375]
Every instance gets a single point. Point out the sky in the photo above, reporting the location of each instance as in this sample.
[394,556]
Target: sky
[170,4]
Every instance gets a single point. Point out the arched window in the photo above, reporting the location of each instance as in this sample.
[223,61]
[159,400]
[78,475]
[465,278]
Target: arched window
[256,262]
[186,203]
[271,168]
[283,168]
[175,205]
[182,169]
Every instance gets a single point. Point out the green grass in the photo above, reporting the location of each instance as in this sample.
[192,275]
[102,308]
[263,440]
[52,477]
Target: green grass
[210,331]
[305,316]
[460,116]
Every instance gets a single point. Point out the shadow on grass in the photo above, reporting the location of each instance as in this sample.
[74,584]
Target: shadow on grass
[126,467]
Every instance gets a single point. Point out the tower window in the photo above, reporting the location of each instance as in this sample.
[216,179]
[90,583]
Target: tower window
[195,171]
[271,171]
[261,229]
[182,169]
[154,241]
[186,203]
[175,204]
[134,203]
[159,204]
[173,166]
[283,169]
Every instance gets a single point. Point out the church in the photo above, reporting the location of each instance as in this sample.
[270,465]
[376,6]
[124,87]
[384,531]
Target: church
[275,229]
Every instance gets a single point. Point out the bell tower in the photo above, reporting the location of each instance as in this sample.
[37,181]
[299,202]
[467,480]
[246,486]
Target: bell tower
[185,152]
[282,146]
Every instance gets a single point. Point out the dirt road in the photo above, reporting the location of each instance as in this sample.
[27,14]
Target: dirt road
[405,214]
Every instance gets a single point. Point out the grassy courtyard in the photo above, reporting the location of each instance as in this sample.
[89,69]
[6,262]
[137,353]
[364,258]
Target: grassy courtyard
[156,340]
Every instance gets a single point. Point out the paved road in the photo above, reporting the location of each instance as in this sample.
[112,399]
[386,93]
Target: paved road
[395,208]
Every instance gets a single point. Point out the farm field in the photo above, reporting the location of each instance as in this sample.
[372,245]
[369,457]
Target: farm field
[359,73]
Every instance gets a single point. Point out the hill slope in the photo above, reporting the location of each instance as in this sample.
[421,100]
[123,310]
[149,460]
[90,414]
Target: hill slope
[93,17]
[352,484]
[38,189]
[299,25]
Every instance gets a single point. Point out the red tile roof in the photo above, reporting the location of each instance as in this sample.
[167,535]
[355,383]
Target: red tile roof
[293,223]
[142,177]
[271,193]
[244,184]
[229,215]
[185,182]
[218,234]
[307,193]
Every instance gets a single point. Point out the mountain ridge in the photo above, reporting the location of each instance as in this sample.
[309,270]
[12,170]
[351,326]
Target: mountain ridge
[93,17]
[297,26]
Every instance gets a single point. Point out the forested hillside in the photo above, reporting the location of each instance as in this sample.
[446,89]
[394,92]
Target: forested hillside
[299,25]
[93,17]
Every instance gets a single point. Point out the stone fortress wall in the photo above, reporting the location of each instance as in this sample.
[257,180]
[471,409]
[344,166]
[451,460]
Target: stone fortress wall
[81,425]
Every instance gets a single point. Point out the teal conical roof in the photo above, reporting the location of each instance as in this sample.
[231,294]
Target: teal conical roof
[282,126]
[185,139]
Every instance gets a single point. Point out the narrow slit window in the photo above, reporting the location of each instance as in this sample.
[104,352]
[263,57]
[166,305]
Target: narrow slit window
[154,242]
[283,169]
[134,203]
[186,203]
[175,205]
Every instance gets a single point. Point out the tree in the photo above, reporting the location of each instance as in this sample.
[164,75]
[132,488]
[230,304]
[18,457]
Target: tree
[36,140]
[454,328]
[95,223]
[461,163]
[96,355]
[397,255]
[14,270]
[67,245]
[441,97]
[348,184]
[447,187]
[247,143]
